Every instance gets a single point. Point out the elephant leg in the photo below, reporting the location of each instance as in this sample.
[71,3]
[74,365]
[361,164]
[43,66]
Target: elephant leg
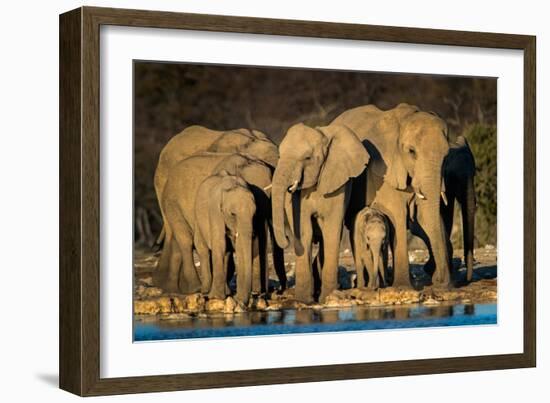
[384,266]
[229,264]
[448,218]
[262,256]
[373,274]
[278,260]
[219,274]
[304,274]
[401,276]
[205,268]
[256,267]
[331,229]
[317,269]
[360,270]
[166,274]
[468,221]
[189,281]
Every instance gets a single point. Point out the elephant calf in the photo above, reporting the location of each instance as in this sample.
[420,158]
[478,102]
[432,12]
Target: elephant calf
[370,243]
[224,210]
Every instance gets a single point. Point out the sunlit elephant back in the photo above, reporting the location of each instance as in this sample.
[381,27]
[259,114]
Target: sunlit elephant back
[407,147]
[196,139]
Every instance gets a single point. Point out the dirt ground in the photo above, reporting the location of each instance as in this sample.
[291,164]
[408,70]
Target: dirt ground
[149,300]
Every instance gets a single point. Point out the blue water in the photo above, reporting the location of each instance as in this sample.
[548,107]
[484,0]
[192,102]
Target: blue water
[313,321]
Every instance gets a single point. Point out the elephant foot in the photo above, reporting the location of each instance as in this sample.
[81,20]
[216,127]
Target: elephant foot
[402,283]
[323,296]
[441,287]
[187,290]
[442,281]
[305,298]
[168,286]
[469,275]
[216,295]
[243,300]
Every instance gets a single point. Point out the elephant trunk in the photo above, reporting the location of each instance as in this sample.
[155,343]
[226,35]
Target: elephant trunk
[431,221]
[243,249]
[279,190]
[375,251]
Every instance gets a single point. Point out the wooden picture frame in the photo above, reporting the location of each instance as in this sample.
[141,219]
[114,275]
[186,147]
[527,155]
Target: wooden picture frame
[79,201]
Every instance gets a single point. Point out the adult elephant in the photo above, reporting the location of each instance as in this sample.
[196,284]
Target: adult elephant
[459,169]
[311,185]
[196,139]
[407,148]
[176,270]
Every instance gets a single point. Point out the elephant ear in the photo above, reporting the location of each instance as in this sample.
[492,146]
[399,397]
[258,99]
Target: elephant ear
[208,211]
[231,141]
[216,221]
[346,158]
[387,161]
[396,173]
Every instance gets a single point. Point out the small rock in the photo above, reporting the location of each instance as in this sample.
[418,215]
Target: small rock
[146,281]
[230,305]
[261,304]
[194,302]
[274,306]
[145,307]
[215,305]
[431,301]
[174,316]
[152,292]
[240,308]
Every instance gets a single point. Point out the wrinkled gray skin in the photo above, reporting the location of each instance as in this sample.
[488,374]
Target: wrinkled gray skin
[176,270]
[224,211]
[458,174]
[371,233]
[310,188]
[407,148]
[196,139]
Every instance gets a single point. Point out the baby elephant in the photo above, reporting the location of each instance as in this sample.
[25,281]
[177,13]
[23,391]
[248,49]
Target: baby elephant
[225,209]
[370,241]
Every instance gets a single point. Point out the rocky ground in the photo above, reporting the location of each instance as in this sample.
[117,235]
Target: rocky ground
[149,300]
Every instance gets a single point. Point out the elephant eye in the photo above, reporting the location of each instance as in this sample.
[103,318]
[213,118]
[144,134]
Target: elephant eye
[412,152]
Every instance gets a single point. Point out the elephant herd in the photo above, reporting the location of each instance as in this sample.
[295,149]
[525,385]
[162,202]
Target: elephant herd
[228,194]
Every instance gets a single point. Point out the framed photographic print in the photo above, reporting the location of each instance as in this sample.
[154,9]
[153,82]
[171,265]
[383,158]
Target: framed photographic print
[249,201]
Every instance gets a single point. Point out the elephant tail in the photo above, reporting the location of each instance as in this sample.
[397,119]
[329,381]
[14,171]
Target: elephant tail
[160,240]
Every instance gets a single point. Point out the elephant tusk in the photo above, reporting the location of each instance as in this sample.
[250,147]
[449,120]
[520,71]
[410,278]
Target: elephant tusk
[293,187]
[268,187]
[444,197]
[420,195]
